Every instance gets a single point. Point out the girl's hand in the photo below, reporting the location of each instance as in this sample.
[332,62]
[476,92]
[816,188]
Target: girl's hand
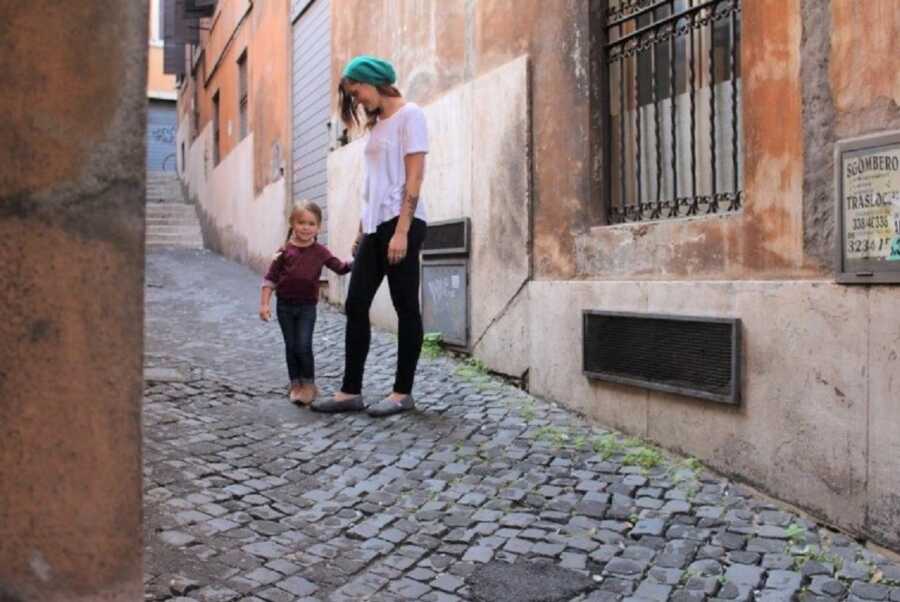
[355,248]
[265,314]
[397,248]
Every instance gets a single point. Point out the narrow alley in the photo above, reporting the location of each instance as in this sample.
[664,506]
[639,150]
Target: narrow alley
[484,493]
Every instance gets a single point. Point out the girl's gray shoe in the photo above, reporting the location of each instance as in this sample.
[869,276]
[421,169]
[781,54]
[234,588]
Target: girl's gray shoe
[333,406]
[387,406]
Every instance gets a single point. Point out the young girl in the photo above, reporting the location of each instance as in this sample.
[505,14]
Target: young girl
[294,276]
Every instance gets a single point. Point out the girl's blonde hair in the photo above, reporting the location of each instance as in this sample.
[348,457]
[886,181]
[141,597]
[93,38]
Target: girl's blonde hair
[298,210]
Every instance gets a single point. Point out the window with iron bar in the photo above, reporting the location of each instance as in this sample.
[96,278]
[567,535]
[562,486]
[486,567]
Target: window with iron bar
[195,109]
[673,126]
[242,94]
[215,140]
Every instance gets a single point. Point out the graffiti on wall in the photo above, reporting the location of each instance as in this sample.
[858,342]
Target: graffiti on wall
[163,134]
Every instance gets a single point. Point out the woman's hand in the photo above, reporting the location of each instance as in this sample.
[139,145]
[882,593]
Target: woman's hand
[397,248]
[355,248]
[265,314]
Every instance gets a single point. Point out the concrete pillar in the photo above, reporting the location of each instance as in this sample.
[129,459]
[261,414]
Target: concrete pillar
[73,112]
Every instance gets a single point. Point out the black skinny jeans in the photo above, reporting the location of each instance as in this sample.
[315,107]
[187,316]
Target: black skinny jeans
[369,268]
[297,321]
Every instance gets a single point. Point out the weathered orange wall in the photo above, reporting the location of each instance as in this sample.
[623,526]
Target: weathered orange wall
[71,296]
[261,29]
[436,45]
[865,45]
[269,93]
[157,81]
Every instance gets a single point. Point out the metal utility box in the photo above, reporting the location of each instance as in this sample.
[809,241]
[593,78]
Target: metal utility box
[445,281]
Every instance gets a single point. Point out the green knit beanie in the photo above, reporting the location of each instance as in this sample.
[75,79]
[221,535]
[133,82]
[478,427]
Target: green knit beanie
[370,70]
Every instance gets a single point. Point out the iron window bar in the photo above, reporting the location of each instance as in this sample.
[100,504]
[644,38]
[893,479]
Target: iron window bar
[665,34]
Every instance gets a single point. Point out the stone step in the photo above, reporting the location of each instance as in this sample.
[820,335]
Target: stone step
[170,209]
[163,187]
[164,222]
[178,215]
[173,225]
[174,229]
[188,244]
[186,240]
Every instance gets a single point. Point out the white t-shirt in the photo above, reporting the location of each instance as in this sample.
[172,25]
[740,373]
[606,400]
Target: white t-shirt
[403,133]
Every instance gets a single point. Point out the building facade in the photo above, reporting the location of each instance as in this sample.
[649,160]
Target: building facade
[231,130]
[254,121]
[666,159]
[619,159]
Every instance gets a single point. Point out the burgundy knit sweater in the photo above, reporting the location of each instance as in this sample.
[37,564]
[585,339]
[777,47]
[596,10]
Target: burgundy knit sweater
[295,273]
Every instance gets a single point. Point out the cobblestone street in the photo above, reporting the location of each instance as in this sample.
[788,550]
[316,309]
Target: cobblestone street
[483,493]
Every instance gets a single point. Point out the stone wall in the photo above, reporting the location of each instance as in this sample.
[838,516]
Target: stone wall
[71,296]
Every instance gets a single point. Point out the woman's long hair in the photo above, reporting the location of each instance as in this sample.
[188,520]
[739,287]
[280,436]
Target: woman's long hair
[349,108]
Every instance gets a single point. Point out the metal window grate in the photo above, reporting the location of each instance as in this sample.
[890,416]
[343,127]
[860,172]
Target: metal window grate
[694,356]
[674,119]
[449,237]
[242,95]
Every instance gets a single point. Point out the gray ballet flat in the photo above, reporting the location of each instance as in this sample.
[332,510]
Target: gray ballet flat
[387,406]
[333,406]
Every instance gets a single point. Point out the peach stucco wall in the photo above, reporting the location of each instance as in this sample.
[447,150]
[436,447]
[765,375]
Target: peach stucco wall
[71,297]
[261,29]
[437,45]
[157,81]
[242,199]
[864,46]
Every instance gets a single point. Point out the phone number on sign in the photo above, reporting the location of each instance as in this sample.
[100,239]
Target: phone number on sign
[869,245]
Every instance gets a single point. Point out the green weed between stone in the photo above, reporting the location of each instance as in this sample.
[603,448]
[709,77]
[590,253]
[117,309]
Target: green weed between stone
[645,457]
[606,446]
[431,345]
[817,554]
[557,436]
[796,533]
[471,368]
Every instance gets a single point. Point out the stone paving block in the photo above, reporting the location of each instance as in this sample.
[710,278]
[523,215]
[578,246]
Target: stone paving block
[772,595]
[176,538]
[869,591]
[784,580]
[447,583]
[650,591]
[624,568]
[266,550]
[215,594]
[276,595]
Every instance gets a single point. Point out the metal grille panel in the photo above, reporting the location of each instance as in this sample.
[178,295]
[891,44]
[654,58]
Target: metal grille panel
[694,356]
[447,237]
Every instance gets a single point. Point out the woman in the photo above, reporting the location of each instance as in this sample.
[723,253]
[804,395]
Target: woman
[391,230]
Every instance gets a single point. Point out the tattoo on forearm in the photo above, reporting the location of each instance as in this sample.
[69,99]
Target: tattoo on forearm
[409,204]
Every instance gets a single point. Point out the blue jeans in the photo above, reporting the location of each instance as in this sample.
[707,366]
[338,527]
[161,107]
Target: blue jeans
[297,321]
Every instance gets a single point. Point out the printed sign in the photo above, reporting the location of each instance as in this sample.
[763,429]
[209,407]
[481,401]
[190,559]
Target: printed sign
[872,204]
[869,208]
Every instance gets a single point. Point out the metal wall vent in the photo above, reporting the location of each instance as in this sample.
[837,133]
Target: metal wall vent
[450,237]
[694,356]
